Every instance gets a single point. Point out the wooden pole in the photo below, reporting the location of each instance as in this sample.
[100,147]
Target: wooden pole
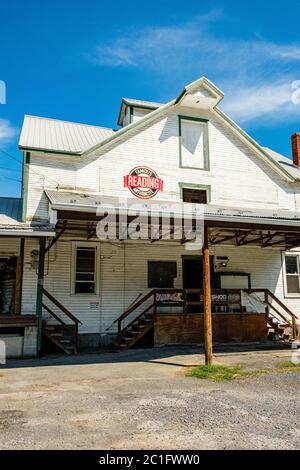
[19,278]
[39,294]
[207,300]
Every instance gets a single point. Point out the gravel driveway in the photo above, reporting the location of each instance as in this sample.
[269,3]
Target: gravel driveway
[143,400]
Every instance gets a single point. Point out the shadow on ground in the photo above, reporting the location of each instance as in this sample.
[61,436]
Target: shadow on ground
[156,355]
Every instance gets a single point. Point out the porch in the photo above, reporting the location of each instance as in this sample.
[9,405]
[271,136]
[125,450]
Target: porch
[195,319]
[241,260]
[237,316]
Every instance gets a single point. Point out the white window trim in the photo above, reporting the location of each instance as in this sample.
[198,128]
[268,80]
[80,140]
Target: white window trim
[76,245]
[284,254]
[206,154]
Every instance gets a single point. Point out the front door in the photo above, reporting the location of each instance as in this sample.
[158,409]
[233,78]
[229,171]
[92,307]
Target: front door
[8,268]
[193,279]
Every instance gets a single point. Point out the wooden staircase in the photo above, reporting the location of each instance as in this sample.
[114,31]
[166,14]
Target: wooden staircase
[63,335]
[144,310]
[130,333]
[281,321]
[133,333]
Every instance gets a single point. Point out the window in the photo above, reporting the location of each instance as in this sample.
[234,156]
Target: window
[85,270]
[193,136]
[161,274]
[196,196]
[292,273]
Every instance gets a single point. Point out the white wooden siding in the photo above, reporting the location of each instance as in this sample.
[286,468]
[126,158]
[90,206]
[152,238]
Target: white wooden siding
[9,246]
[192,144]
[123,277]
[238,177]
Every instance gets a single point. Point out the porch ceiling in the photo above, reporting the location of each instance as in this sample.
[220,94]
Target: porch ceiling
[283,238]
[77,212]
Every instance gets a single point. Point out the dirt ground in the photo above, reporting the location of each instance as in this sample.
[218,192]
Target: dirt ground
[142,399]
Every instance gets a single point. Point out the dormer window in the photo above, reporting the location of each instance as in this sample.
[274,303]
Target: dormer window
[193,143]
[134,110]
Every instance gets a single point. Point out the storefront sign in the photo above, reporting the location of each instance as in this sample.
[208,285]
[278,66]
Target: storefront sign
[143,182]
[169,297]
[216,298]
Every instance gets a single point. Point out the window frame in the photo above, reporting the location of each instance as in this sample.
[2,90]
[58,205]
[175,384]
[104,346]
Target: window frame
[206,153]
[75,247]
[296,254]
[161,261]
[201,187]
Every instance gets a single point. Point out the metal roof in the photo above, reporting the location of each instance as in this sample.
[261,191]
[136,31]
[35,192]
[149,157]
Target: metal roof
[142,103]
[285,162]
[65,200]
[10,210]
[60,136]
[11,220]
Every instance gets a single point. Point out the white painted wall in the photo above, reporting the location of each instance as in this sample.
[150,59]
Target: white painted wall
[123,276]
[237,176]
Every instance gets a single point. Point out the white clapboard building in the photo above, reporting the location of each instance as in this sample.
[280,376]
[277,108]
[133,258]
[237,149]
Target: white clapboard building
[66,284]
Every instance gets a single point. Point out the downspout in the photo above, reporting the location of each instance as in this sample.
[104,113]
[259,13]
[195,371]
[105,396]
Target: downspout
[25,179]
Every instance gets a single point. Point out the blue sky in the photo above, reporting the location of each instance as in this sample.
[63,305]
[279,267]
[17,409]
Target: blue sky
[76,60]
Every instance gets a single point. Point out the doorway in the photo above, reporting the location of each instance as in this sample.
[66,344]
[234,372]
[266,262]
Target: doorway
[8,267]
[192,272]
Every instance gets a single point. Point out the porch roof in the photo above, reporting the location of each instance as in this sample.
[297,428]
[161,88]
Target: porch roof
[237,226]
[11,220]
[89,203]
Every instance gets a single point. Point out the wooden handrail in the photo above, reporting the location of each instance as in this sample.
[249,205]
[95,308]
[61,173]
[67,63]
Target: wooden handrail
[61,307]
[279,314]
[282,305]
[138,317]
[136,305]
[54,314]
[292,324]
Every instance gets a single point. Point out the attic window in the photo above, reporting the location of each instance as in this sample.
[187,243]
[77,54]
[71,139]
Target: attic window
[195,196]
[193,140]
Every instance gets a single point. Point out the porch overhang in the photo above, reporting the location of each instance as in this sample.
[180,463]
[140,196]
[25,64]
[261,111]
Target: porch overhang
[226,225]
[26,233]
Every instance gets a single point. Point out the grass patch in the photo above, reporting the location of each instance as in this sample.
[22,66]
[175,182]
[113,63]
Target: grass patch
[226,373]
[216,372]
[288,365]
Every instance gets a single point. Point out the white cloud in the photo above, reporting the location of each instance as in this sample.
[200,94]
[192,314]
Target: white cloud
[268,101]
[255,74]
[7,131]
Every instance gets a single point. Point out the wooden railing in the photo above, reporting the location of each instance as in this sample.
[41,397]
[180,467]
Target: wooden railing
[292,318]
[65,311]
[178,296]
[226,299]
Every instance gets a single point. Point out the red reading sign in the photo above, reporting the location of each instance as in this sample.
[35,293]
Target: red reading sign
[143,182]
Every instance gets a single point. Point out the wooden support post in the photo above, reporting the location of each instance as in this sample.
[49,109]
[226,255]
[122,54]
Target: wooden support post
[39,294]
[207,300]
[19,278]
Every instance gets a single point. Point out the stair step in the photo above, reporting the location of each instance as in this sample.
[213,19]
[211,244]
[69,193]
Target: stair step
[145,321]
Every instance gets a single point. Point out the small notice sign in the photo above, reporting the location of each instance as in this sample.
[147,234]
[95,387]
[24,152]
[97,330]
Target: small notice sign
[94,305]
